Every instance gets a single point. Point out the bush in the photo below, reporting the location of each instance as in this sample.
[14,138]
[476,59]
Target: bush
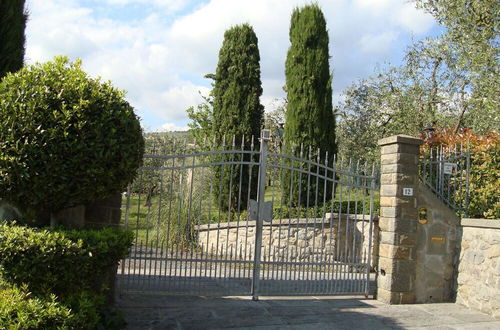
[59,262]
[65,138]
[20,310]
[72,265]
[484,168]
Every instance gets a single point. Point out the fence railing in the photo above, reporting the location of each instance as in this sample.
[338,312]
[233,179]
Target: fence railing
[446,171]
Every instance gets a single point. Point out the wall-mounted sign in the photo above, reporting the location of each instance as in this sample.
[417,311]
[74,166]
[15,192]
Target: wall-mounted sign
[437,239]
[448,168]
[407,191]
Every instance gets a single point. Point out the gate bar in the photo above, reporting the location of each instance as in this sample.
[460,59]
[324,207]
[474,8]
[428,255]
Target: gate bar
[265,137]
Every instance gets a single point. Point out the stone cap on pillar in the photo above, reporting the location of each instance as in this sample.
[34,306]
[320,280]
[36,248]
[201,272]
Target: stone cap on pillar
[400,139]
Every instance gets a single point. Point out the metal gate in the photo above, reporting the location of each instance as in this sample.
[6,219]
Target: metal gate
[234,220]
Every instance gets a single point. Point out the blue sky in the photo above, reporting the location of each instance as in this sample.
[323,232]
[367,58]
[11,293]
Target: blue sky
[159,50]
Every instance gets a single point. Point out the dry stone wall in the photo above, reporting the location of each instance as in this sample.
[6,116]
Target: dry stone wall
[316,239]
[478,280]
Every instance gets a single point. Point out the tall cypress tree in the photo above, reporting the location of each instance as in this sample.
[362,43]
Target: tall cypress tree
[309,118]
[237,111]
[12,24]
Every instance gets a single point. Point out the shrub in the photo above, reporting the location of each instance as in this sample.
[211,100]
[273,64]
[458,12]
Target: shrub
[65,138]
[57,277]
[73,266]
[20,310]
[484,168]
[60,262]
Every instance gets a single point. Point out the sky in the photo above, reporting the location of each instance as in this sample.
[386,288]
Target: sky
[158,51]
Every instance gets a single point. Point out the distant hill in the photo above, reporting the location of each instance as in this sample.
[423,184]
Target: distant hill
[178,135]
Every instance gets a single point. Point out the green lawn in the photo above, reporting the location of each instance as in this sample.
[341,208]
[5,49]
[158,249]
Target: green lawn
[163,219]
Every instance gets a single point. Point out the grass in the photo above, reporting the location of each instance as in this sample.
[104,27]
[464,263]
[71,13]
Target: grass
[152,221]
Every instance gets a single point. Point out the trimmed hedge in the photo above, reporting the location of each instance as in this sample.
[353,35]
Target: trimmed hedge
[65,138]
[60,269]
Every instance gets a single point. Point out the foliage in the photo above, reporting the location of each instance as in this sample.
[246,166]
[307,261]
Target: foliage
[473,26]
[237,112]
[12,24]
[148,182]
[201,115]
[484,178]
[65,138]
[59,262]
[309,117]
[19,309]
[448,81]
[73,266]
[429,89]
[473,32]
[361,206]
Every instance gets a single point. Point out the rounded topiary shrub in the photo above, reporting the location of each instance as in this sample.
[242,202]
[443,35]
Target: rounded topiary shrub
[65,138]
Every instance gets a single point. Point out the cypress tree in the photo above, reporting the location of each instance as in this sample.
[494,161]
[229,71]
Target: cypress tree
[237,111]
[12,24]
[309,118]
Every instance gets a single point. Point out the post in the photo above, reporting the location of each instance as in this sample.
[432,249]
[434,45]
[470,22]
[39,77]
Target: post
[261,189]
[398,219]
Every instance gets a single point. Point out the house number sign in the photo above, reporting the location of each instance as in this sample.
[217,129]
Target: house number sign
[407,191]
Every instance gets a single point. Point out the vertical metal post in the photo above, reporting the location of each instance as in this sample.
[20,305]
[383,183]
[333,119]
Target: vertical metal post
[467,182]
[370,234]
[261,187]
[127,212]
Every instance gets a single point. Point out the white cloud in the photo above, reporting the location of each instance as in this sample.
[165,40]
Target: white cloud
[378,43]
[169,127]
[170,5]
[161,56]
[400,13]
[414,20]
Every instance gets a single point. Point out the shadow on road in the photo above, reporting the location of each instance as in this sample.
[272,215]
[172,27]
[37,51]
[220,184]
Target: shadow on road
[197,312]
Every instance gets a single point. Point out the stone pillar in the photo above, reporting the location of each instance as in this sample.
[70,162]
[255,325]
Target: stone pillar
[398,219]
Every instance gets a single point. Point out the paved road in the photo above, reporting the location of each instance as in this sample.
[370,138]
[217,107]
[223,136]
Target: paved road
[196,312]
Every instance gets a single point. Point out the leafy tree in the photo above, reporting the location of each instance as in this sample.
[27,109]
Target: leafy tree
[309,117]
[201,115]
[65,138]
[274,121]
[12,24]
[449,81]
[237,112]
[429,89]
[473,31]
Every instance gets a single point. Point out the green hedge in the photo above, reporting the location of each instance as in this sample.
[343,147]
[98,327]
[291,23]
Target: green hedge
[73,266]
[65,138]
[20,310]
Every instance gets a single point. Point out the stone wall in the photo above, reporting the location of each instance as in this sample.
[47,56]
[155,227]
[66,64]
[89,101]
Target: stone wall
[478,280]
[293,239]
[436,249]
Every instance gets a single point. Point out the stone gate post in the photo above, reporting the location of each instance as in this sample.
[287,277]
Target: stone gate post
[398,219]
